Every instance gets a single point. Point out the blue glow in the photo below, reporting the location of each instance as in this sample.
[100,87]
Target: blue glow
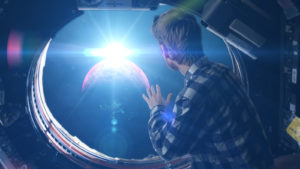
[168,116]
[114,129]
[114,121]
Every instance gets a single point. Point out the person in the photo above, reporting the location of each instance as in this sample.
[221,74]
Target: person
[213,118]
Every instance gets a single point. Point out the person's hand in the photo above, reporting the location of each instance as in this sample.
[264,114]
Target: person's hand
[155,98]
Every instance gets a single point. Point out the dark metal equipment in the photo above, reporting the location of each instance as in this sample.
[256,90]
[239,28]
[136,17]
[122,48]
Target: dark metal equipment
[117,4]
[290,88]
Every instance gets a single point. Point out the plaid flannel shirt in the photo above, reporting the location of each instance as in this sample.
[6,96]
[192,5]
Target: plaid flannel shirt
[214,120]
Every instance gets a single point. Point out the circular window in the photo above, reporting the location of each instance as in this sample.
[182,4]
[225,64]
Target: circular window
[85,90]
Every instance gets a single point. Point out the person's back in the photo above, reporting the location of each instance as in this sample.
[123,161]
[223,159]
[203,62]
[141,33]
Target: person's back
[227,129]
[214,119]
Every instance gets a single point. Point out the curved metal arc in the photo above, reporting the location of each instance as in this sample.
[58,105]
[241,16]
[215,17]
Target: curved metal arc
[69,145]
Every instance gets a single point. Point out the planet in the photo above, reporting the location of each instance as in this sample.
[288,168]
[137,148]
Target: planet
[113,115]
[115,70]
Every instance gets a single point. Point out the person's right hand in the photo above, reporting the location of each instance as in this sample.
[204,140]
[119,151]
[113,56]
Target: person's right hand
[156,98]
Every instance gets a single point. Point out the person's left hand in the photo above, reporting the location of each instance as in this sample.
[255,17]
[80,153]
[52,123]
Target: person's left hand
[156,98]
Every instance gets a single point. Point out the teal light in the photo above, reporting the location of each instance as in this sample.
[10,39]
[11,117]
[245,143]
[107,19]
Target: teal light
[114,121]
[114,129]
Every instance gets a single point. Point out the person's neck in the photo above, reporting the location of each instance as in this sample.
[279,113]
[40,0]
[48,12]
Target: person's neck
[183,69]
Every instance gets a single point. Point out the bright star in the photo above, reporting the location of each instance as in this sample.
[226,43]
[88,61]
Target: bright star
[113,51]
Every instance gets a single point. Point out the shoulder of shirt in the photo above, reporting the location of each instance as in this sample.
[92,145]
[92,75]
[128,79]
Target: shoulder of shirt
[204,73]
[202,77]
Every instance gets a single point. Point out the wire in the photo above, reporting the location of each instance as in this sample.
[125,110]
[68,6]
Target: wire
[238,65]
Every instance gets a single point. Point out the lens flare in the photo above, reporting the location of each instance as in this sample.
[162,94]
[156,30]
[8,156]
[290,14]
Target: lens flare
[111,51]
[14,49]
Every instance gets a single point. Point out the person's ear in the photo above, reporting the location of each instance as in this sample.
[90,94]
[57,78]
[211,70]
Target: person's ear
[164,51]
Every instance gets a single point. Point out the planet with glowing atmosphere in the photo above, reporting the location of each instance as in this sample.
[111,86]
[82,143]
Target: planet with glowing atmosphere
[113,103]
[120,71]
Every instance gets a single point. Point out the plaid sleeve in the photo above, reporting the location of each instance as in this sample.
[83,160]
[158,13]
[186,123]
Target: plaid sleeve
[174,134]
